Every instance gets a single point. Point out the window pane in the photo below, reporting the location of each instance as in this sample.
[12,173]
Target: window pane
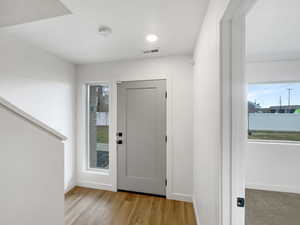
[99,126]
[274,111]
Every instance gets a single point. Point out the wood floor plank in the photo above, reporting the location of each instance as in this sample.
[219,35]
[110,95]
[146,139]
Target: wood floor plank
[88,212]
[156,211]
[190,213]
[72,198]
[99,210]
[126,211]
[85,206]
[81,206]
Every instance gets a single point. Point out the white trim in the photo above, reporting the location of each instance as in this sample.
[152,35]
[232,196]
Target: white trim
[277,188]
[84,174]
[69,188]
[225,173]
[195,206]
[169,147]
[234,111]
[113,157]
[180,197]
[95,185]
[288,56]
[239,129]
[274,82]
[32,120]
[273,142]
[97,172]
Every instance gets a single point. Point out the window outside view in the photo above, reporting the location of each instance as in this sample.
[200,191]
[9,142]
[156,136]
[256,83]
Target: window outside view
[274,111]
[99,127]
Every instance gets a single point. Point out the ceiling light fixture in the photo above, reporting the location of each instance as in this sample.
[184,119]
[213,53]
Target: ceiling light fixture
[104,31]
[151,38]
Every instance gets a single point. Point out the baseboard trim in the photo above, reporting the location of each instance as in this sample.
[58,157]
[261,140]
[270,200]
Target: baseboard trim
[69,188]
[180,197]
[195,206]
[277,188]
[94,185]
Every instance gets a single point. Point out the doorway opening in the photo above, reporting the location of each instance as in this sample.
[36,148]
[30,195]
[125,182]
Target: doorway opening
[260,63]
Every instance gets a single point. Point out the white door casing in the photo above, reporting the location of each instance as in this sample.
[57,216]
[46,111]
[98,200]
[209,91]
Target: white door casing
[234,111]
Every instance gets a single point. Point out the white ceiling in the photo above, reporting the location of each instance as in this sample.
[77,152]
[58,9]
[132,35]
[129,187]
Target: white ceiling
[75,37]
[273,30]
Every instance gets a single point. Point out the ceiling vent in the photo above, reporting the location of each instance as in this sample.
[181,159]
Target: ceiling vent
[152,51]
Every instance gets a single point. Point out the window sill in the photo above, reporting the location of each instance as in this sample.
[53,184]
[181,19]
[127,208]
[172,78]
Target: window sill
[281,142]
[103,172]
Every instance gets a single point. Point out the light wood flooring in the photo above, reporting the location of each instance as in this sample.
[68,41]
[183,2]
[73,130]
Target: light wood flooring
[85,206]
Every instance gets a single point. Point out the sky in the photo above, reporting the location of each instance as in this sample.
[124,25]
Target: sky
[269,94]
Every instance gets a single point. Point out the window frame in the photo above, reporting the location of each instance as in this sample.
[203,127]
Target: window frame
[102,171]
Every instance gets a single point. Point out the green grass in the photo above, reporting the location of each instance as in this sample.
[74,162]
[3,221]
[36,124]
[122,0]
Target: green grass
[102,134]
[275,135]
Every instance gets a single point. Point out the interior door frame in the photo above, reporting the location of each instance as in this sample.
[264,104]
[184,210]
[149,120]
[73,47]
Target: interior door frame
[234,105]
[169,144]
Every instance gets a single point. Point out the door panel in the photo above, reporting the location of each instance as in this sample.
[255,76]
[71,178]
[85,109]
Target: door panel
[142,122]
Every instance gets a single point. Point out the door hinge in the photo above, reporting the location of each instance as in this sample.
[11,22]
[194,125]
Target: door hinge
[166,95]
[241,202]
[166,138]
[166,182]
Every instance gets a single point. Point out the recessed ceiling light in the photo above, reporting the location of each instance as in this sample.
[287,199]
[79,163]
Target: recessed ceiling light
[151,38]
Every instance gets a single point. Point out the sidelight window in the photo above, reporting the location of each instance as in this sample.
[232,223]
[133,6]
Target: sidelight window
[98,126]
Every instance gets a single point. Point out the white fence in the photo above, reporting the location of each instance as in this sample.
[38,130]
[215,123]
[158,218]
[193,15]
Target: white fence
[102,119]
[274,122]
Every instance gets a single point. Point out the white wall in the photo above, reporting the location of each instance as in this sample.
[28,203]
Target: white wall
[178,72]
[273,166]
[31,171]
[273,71]
[207,123]
[43,86]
